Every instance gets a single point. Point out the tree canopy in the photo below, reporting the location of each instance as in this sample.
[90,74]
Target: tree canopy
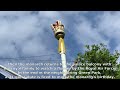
[96,62]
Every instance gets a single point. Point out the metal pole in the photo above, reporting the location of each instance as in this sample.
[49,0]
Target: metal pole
[64,66]
[62,51]
[58,29]
[10,74]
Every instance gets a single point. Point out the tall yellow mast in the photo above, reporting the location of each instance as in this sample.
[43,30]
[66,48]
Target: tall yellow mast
[58,29]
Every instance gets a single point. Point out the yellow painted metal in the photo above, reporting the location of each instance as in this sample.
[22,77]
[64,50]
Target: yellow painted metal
[58,29]
[61,46]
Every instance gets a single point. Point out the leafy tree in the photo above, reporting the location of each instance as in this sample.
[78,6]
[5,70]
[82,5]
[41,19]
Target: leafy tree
[96,61]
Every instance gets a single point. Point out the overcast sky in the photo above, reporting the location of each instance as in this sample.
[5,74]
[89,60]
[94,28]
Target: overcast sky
[28,33]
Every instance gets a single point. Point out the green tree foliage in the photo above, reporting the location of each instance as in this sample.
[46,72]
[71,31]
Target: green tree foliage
[98,59]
